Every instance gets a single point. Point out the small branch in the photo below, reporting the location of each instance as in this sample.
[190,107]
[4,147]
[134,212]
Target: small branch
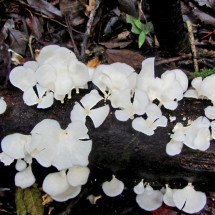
[67,18]
[193,47]
[173,59]
[89,27]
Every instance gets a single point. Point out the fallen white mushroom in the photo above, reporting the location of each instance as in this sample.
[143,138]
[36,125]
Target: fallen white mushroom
[113,188]
[189,200]
[150,199]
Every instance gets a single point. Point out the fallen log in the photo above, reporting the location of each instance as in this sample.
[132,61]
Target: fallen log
[117,148]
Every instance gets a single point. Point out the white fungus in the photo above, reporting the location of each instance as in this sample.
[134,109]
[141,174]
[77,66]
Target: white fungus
[81,111]
[24,178]
[3,105]
[189,200]
[139,188]
[78,175]
[150,199]
[210,112]
[168,196]
[113,188]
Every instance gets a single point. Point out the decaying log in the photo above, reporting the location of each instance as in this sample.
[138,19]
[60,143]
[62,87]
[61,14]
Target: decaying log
[119,149]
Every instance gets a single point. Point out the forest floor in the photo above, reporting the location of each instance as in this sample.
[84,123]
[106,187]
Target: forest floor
[97,31]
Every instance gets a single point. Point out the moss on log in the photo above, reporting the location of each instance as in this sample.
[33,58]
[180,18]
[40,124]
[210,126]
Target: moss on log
[117,147]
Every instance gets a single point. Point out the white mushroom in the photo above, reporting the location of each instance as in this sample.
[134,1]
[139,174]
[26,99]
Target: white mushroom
[113,188]
[195,91]
[154,120]
[210,112]
[150,199]
[22,77]
[81,111]
[15,145]
[3,106]
[208,88]
[52,145]
[44,99]
[113,77]
[55,183]
[174,147]
[168,196]
[139,188]
[24,178]
[20,165]
[78,175]
[189,200]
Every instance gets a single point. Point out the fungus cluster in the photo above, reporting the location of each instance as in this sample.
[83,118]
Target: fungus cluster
[187,199]
[139,97]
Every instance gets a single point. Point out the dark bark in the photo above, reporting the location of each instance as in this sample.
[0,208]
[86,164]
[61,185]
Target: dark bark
[117,147]
[169,27]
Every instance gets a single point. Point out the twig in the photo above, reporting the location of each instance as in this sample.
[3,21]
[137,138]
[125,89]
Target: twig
[67,18]
[89,27]
[193,47]
[173,59]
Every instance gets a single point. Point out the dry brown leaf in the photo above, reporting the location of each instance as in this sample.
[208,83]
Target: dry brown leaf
[73,9]
[132,58]
[93,63]
[112,44]
[89,7]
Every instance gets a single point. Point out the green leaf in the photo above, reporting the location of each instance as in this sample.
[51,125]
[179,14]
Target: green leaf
[20,205]
[137,26]
[29,201]
[205,72]
[148,27]
[33,200]
[141,39]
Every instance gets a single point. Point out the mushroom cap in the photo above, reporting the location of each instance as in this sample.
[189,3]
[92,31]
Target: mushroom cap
[150,199]
[78,175]
[113,188]
[139,188]
[22,77]
[207,87]
[20,165]
[14,145]
[210,112]
[25,178]
[189,200]
[168,196]
[174,147]
[55,183]
[3,106]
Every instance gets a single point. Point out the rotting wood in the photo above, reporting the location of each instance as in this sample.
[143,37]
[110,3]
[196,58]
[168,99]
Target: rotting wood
[119,149]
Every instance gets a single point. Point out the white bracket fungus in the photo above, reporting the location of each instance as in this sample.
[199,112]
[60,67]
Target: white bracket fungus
[113,188]
[3,106]
[189,200]
[150,199]
[139,188]
[54,74]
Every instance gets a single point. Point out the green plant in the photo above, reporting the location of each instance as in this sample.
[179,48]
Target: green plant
[139,28]
[205,72]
